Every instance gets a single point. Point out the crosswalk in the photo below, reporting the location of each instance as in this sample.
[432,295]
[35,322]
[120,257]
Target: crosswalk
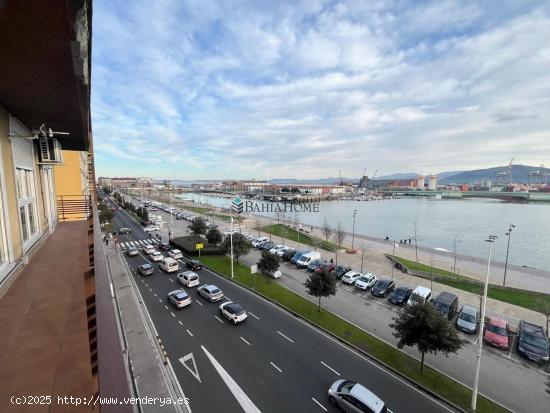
[135,244]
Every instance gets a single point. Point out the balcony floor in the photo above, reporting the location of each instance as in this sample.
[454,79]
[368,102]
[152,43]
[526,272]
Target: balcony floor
[44,346]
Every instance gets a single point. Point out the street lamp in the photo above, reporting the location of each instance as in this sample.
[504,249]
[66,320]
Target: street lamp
[231,237]
[508,234]
[393,259]
[490,240]
[353,230]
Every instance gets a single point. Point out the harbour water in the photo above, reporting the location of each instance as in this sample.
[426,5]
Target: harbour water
[437,223]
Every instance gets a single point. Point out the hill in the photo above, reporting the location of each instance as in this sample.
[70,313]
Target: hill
[520,174]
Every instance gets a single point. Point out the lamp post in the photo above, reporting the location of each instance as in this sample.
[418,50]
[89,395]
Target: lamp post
[393,258]
[171,219]
[508,234]
[362,256]
[491,239]
[353,229]
[231,239]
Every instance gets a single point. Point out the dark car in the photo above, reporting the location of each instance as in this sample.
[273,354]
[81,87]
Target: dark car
[325,267]
[314,265]
[532,342]
[123,231]
[145,270]
[297,256]
[400,295]
[288,254]
[382,287]
[340,270]
[193,264]
[447,304]
[267,246]
[163,246]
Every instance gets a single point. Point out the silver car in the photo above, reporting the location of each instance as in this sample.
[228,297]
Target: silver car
[179,298]
[467,320]
[353,397]
[210,292]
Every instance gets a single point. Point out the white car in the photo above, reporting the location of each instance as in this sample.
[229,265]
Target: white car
[151,228]
[233,312]
[350,277]
[156,256]
[366,281]
[175,254]
[274,274]
[281,251]
[210,292]
[188,278]
[228,233]
[148,248]
[275,249]
[259,240]
[179,298]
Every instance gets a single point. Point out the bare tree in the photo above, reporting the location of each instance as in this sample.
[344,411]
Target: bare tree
[340,235]
[326,230]
[542,304]
[416,244]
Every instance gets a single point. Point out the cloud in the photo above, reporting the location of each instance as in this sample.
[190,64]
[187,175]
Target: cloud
[303,89]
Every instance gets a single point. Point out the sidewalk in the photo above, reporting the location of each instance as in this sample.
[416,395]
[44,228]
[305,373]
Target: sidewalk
[151,377]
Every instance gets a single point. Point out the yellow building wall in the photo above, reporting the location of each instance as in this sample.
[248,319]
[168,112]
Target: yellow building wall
[69,182]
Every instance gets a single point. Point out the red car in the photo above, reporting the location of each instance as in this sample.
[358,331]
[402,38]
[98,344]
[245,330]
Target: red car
[326,266]
[496,333]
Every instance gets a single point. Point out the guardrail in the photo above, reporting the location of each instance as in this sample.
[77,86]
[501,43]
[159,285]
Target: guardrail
[74,207]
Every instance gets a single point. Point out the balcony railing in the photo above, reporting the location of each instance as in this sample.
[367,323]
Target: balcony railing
[74,207]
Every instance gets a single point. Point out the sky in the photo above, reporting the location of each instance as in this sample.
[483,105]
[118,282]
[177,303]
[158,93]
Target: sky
[201,89]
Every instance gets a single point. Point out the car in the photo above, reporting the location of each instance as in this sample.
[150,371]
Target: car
[123,231]
[210,292]
[179,298]
[496,333]
[420,295]
[447,304]
[145,270]
[132,252]
[194,265]
[365,281]
[297,256]
[400,295]
[351,277]
[353,397]
[312,266]
[532,342]
[288,254]
[148,248]
[163,246]
[155,256]
[168,265]
[281,251]
[233,312]
[273,274]
[276,249]
[188,278]
[325,267]
[257,241]
[467,320]
[267,246]
[340,270]
[229,233]
[175,254]
[151,228]
[382,287]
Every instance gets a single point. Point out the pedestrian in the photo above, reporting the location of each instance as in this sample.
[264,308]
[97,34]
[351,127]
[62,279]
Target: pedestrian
[331,261]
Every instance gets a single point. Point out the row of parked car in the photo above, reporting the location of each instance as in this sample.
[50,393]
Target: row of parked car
[532,340]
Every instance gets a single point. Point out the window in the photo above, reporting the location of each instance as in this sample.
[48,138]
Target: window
[26,198]
[3,243]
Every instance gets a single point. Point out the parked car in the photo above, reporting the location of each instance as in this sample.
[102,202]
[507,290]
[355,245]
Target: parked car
[340,270]
[123,231]
[179,298]
[532,342]
[210,292]
[168,265]
[400,295]
[297,256]
[353,397]
[276,249]
[281,252]
[233,312]
[266,246]
[313,265]
[288,254]
[132,252]
[163,246]
[364,282]
[194,265]
[497,333]
[188,278]
[351,277]
[175,254]
[447,304]
[325,267]
[273,274]
[382,287]
[155,256]
[420,295]
[256,242]
[305,259]
[467,320]
[145,270]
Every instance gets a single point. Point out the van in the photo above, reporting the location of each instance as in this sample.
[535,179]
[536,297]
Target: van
[306,259]
[259,240]
[169,265]
[446,304]
[420,295]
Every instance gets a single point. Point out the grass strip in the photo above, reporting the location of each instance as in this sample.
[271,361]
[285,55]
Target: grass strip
[408,366]
[287,232]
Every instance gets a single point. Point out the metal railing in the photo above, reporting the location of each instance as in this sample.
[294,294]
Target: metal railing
[74,207]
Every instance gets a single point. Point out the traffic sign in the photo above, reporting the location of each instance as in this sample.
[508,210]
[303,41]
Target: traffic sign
[199,246]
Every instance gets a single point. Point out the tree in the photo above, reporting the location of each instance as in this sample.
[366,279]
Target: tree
[198,226]
[105,215]
[421,325]
[321,284]
[214,236]
[326,230]
[340,235]
[241,246]
[542,305]
[268,263]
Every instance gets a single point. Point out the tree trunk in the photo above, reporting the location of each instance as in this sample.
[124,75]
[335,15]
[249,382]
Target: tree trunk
[422,362]
[319,304]
[337,255]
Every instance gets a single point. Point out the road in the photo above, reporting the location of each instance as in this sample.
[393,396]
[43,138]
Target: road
[271,363]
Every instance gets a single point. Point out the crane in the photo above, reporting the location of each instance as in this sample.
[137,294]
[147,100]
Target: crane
[510,169]
[341,180]
[364,172]
[374,174]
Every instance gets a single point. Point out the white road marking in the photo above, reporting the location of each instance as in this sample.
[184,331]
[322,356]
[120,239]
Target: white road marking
[330,368]
[245,402]
[166,307]
[155,294]
[198,302]
[179,321]
[273,364]
[285,336]
[171,280]
[245,341]
[256,317]
[147,285]
[194,371]
[189,333]
[216,317]
[132,243]
[160,301]
[319,404]
[150,289]
[173,315]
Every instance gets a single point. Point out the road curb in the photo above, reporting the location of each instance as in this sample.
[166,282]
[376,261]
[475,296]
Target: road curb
[359,350]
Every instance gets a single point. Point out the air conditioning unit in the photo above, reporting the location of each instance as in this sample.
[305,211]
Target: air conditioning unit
[49,150]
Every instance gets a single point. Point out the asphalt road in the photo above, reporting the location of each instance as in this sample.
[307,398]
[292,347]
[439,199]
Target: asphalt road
[271,363]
